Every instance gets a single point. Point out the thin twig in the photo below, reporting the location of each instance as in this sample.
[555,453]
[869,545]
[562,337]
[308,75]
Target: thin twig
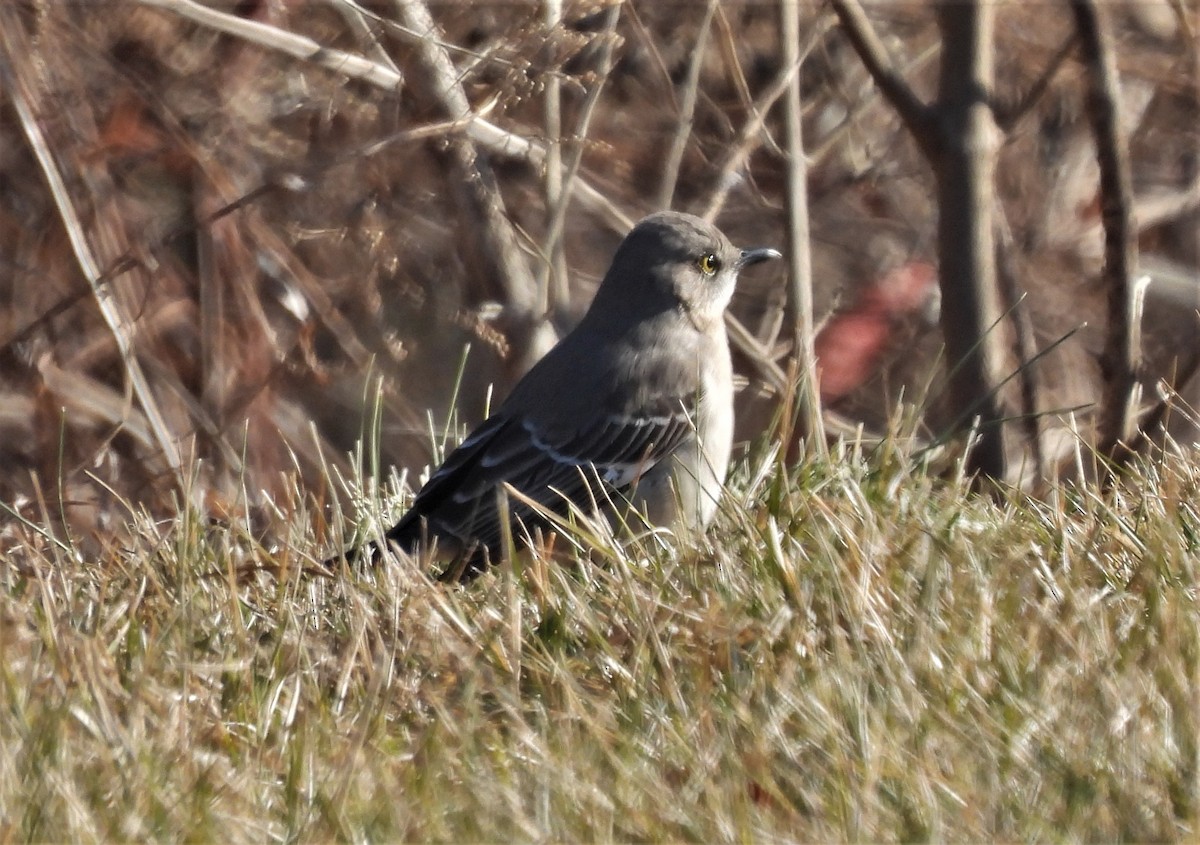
[571,179]
[747,141]
[485,134]
[1009,115]
[760,355]
[751,134]
[799,232]
[1120,358]
[1159,208]
[913,111]
[286,265]
[1015,302]
[728,47]
[357,18]
[687,111]
[486,220]
[862,103]
[651,47]
[553,277]
[282,40]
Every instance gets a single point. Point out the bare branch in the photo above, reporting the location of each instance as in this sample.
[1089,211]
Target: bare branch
[963,166]
[571,178]
[482,132]
[1015,303]
[751,134]
[1010,114]
[861,105]
[1120,358]
[913,111]
[1163,207]
[768,368]
[553,277]
[687,112]
[357,18]
[747,141]
[485,219]
[799,233]
[728,48]
[283,41]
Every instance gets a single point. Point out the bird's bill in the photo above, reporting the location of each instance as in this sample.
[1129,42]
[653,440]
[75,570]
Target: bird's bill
[756,256]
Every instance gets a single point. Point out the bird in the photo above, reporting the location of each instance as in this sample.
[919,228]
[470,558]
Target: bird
[632,406]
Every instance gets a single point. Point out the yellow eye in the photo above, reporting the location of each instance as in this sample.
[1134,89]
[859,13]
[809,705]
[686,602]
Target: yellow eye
[708,264]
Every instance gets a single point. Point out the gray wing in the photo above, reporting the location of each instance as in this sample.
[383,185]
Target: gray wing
[458,502]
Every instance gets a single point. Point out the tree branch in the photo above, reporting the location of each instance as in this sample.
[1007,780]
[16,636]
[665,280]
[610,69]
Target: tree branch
[1009,114]
[799,233]
[687,111]
[299,46]
[497,256]
[964,170]
[913,111]
[1120,358]
[574,159]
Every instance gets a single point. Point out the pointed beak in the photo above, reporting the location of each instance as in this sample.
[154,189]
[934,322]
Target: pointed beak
[756,256]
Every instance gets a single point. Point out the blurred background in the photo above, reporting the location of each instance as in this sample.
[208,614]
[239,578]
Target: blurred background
[222,236]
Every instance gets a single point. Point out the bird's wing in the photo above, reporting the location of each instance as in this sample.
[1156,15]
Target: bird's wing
[460,498]
[437,500]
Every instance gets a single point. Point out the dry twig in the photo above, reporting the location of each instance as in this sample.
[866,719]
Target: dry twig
[799,247]
[687,111]
[1119,360]
[281,40]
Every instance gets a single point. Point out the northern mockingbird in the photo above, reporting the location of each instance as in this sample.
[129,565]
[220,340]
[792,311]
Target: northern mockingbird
[634,406]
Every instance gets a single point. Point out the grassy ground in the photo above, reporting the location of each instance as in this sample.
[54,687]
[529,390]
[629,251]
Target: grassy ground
[857,651]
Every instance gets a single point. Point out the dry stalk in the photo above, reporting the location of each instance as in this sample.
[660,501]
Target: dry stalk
[554,283]
[485,219]
[687,112]
[283,41]
[748,139]
[571,179]
[358,19]
[799,257]
[482,132]
[1121,356]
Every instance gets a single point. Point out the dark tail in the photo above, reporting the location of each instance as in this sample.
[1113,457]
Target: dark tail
[465,566]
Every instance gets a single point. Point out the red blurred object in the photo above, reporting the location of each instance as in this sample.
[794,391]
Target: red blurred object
[850,345]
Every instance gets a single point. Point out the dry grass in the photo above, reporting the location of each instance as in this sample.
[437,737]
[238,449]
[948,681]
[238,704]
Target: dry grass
[856,652]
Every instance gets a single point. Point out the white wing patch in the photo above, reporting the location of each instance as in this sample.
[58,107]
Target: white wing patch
[622,475]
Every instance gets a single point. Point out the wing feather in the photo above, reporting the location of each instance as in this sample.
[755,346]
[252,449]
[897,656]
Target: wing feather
[459,500]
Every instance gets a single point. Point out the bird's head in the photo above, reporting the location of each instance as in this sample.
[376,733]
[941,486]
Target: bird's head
[672,260]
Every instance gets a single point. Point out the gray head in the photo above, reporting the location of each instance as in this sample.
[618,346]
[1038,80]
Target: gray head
[672,260]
